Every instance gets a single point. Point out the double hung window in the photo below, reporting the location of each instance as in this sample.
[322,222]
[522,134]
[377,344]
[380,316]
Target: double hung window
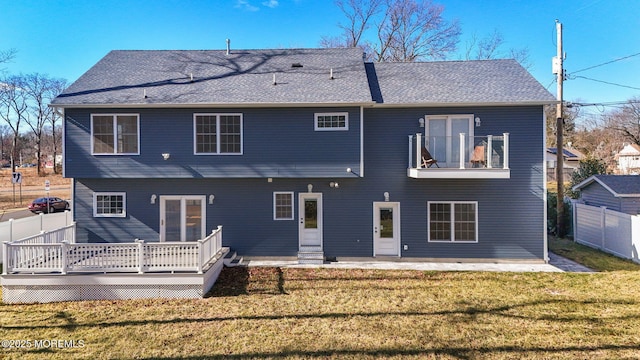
[283,206]
[217,134]
[115,134]
[452,221]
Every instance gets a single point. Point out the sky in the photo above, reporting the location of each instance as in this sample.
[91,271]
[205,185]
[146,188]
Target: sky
[64,38]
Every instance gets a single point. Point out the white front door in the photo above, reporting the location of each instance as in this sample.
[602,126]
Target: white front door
[182,218]
[310,219]
[386,229]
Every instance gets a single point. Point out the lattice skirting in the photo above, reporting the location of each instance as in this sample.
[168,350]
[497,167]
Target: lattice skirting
[52,288]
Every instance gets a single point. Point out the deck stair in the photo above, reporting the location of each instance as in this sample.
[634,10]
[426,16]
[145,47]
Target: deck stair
[311,255]
[231,259]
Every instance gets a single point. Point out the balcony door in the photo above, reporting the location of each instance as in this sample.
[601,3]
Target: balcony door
[182,218]
[442,136]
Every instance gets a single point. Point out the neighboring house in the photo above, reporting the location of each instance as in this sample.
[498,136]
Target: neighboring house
[616,192]
[309,153]
[571,161]
[629,160]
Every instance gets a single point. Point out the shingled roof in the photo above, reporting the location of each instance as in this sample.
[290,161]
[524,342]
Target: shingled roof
[617,185]
[211,77]
[459,82]
[302,77]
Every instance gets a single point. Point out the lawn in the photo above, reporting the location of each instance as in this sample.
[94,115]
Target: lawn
[283,313]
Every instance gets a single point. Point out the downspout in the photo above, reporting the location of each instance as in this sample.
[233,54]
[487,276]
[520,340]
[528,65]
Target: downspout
[361,141]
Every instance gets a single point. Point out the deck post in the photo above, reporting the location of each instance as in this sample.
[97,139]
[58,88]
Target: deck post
[200,256]
[410,150]
[505,152]
[140,255]
[462,152]
[5,256]
[418,151]
[489,151]
[64,260]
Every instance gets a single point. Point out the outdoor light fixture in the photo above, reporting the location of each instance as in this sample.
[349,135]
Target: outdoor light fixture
[421,122]
[166,156]
[153,199]
[386,196]
[334,185]
[477,122]
[211,197]
[310,187]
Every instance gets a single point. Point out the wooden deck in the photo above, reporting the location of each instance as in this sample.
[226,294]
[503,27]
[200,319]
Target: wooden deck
[52,267]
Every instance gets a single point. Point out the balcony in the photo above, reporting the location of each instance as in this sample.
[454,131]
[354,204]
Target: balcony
[459,157]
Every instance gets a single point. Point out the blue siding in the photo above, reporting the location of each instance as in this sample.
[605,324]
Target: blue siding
[510,211]
[276,143]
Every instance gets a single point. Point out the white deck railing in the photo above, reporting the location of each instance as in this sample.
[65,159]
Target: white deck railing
[59,253]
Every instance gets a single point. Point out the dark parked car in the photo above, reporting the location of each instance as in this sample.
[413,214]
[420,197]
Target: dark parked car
[48,205]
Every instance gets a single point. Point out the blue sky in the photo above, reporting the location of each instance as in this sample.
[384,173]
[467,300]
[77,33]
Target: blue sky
[64,38]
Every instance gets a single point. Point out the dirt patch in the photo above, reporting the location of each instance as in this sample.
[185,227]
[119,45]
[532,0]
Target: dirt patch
[32,187]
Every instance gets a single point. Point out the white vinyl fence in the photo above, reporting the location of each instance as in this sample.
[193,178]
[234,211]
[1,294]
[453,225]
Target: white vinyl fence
[13,230]
[611,231]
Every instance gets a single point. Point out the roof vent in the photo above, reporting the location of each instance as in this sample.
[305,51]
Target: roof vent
[296,65]
[228,46]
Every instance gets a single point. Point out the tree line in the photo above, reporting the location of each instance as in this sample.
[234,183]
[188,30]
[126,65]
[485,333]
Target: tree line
[30,130]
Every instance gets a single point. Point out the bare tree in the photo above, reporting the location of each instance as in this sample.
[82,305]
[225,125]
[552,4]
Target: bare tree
[408,30]
[6,56]
[359,15]
[40,90]
[13,108]
[491,47]
[626,121]
[57,87]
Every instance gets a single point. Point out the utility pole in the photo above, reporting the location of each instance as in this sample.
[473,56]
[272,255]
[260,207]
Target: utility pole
[558,69]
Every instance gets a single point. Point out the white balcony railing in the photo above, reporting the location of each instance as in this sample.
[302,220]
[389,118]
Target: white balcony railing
[62,255]
[459,156]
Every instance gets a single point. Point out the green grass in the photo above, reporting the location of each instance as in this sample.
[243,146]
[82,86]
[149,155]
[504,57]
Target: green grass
[281,313]
[589,257]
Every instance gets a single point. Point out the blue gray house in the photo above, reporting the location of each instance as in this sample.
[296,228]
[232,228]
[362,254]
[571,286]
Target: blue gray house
[309,153]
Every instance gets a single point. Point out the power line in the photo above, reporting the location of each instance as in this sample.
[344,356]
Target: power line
[606,63]
[605,82]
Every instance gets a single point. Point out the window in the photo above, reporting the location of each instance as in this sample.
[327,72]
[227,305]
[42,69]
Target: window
[115,134]
[442,136]
[109,204]
[217,134]
[283,206]
[331,121]
[452,221]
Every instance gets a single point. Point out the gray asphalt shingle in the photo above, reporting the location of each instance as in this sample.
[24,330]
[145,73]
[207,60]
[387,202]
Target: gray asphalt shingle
[242,77]
[459,82]
[211,77]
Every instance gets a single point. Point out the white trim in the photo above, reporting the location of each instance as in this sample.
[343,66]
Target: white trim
[452,222]
[182,198]
[109,193]
[290,193]
[218,142]
[320,221]
[397,225]
[448,135]
[344,128]
[114,117]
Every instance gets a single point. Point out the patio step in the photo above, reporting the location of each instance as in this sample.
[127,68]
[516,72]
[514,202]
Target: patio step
[231,259]
[311,256]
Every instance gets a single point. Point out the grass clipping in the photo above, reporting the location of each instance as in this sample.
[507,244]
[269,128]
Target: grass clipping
[274,313]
